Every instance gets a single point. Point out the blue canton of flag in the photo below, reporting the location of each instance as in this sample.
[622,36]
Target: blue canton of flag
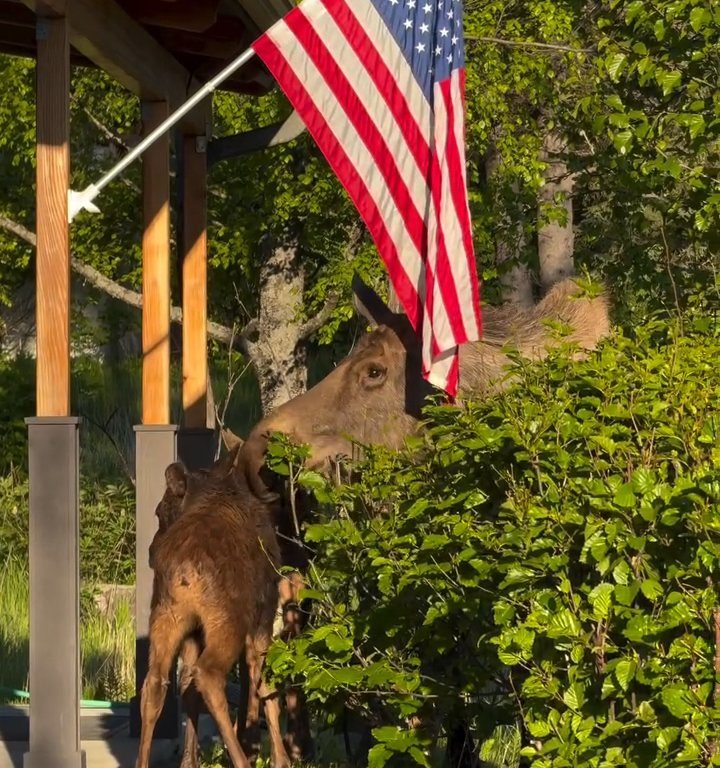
[430,35]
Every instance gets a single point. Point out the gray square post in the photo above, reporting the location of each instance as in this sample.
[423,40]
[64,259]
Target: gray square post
[155,448]
[196,447]
[54,594]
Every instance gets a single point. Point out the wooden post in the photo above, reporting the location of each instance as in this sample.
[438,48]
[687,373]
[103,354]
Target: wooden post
[156,271]
[195,370]
[53,242]
[155,439]
[53,447]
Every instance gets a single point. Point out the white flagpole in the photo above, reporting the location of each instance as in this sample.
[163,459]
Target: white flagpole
[78,201]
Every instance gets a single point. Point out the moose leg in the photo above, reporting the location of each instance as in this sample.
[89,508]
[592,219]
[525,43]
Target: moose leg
[256,650]
[271,703]
[251,733]
[165,636]
[209,676]
[298,738]
[189,654]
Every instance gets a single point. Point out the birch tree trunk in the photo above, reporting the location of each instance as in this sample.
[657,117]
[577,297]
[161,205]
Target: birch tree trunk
[556,239]
[517,281]
[279,353]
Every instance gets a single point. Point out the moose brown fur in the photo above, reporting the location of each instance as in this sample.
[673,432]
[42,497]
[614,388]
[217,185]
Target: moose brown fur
[215,594]
[375,395]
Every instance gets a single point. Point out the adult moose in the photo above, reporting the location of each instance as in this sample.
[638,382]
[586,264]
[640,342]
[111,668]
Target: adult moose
[375,395]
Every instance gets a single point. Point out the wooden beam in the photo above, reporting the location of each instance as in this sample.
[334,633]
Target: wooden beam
[156,271]
[112,40]
[53,241]
[190,15]
[194,282]
[264,13]
[226,147]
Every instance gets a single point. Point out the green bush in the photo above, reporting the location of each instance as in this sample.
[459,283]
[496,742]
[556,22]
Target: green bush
[107,529]
[17,400]
[547,560]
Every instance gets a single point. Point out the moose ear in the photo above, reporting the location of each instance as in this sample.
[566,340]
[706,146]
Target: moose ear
[176,479]
[223,467]
[369,305]
[231,440]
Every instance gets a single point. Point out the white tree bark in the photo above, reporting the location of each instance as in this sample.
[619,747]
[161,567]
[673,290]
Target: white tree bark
[517,281]
[279,354]
[556,239]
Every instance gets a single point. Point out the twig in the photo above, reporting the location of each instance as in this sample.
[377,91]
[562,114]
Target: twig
[527,44]
[103,428]
[668,264]
[717,657]
[315,323]
[113,289]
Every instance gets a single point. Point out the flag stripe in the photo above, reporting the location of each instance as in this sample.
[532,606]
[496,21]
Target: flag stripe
[444,323]
[357,115]
[284,71]
[405,109]
[388,131]
[464,268]
[386,49]
[380,86]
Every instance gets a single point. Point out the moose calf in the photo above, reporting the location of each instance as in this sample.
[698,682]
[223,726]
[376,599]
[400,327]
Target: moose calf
[215,593]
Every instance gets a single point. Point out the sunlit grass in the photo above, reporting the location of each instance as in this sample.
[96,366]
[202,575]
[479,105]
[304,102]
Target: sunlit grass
[107,642]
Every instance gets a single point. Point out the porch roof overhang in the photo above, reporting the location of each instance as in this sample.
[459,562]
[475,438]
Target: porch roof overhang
[161,50]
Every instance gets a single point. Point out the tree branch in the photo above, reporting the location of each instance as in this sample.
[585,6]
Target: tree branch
[315,323]
[113,289]
[111,136]
[528,44]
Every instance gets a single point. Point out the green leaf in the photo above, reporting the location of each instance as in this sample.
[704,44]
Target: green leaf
[614,64]
[625,496]
[625,672]
[379,756]
[601,600]
[564,624]
[700,17]
[676,698]
[666,738]
[651,589]
[668,80]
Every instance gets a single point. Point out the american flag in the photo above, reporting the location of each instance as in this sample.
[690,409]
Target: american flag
[380,86]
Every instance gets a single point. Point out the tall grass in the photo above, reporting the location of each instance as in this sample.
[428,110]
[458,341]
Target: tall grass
[14,605]
[107,641]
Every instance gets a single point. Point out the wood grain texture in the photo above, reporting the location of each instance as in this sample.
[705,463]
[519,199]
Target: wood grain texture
[156,271]
[118,44]
[194,286]
[53,242]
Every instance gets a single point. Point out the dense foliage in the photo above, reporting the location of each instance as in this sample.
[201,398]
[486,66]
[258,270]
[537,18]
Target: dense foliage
[107,530]
[549,560]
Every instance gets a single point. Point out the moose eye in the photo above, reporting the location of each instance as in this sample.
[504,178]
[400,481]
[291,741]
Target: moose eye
[375,375]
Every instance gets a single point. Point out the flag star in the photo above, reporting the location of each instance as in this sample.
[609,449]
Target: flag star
[420,47]
[438,50]
[424,28]
[427,7]
[444,32]
[412,4]
[407,24]
[449,58]
[394,2]
[450,14]
[454,39]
